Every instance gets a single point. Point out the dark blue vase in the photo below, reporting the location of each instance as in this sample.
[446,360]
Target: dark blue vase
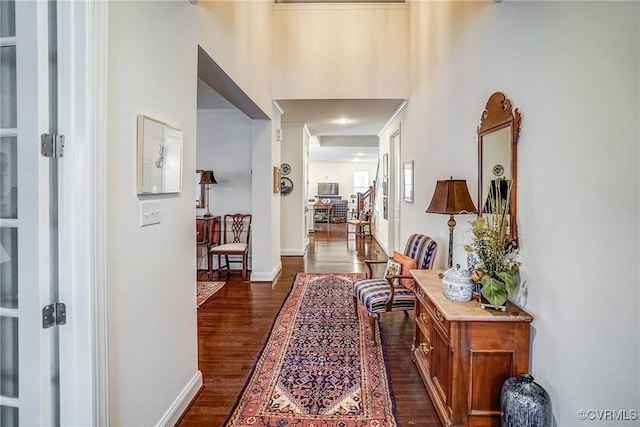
[524,403]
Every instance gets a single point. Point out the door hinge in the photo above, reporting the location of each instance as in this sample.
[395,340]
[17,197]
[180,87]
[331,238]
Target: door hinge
[54,314]
[51,145]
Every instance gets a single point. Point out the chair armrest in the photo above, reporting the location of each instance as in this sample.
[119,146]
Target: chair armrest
[399,276]
[375,261]
[369,263]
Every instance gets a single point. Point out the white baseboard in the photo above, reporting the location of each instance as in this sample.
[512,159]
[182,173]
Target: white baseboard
[382,247]
[259,276]
[292,252]
[177,408]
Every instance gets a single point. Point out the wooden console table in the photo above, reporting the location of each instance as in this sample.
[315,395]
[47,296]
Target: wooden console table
[323,206]
[464,353]
[207,234]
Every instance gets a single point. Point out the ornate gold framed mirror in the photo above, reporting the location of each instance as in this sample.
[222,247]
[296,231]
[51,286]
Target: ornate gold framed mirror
[498,135]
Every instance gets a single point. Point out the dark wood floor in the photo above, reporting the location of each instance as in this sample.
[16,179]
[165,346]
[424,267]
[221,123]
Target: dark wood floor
[234,323]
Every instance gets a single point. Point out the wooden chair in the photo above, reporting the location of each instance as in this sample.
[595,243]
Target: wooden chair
[361,226]
[235,242]
[394,292]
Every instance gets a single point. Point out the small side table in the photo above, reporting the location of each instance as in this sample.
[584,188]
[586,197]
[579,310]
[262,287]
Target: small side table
[323,206]
[207,234]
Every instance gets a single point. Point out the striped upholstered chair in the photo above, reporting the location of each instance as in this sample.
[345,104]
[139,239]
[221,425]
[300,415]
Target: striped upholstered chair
[394,292]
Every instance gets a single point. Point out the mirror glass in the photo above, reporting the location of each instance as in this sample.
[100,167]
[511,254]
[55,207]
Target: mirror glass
[497,159]
[200,189]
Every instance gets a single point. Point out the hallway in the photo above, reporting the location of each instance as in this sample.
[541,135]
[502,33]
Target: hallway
[234,323]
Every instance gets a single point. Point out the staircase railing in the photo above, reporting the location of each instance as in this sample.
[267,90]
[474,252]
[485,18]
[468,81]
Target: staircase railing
[367,198]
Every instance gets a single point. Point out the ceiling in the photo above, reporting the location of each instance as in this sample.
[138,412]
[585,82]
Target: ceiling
[341,129]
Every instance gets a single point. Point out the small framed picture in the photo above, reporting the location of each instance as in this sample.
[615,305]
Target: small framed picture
[276,179]
[385,165]
[407,181]
[385,207]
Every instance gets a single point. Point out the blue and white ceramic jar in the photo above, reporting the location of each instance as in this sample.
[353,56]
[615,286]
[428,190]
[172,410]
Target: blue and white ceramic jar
[457,284]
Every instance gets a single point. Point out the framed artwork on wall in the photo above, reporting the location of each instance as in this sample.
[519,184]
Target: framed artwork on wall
[385,165]
[407,181]
[276,179]
[159,168]
[385,207]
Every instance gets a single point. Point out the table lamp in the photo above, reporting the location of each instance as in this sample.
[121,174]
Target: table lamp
[451,197]
[206,179]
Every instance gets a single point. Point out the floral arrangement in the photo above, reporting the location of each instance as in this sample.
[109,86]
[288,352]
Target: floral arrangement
[498,266]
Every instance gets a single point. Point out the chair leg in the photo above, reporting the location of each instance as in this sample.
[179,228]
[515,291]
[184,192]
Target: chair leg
[372,323]
[244,266]
[210,265]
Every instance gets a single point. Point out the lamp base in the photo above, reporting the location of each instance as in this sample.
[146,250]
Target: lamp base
[451,223]
[207,215]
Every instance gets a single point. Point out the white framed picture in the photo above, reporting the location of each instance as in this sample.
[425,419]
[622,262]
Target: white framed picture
[159,157]
[407,181]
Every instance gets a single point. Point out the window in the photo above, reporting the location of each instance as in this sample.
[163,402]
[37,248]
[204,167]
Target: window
[360,181]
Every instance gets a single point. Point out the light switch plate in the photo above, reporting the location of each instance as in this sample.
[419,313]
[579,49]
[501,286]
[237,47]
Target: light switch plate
[149,213]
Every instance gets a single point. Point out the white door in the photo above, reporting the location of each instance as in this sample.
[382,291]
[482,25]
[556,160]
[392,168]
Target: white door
[28,376]
[56,375]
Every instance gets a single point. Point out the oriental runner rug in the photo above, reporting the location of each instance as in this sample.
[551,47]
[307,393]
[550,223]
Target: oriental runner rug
[317,367]
[204,290]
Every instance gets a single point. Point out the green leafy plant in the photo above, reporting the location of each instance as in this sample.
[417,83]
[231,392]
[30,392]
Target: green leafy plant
[498,265]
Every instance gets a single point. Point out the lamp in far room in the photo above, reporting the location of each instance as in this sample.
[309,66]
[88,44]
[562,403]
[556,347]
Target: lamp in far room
[207,179]
[451,197]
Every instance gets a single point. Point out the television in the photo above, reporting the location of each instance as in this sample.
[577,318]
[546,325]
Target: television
[328,189]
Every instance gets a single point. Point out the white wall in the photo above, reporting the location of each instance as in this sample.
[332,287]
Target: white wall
[572,69]
[224,146]
[292,226]
[266,221]
[151,276]
[345,51]
[340,172]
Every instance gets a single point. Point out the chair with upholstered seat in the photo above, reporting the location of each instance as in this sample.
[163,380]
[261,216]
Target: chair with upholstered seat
[394,291]
[361,226]
[235,242]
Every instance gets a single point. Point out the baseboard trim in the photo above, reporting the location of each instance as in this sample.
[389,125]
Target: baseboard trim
[292,252]
[182,402]
[260,276]
[383,247]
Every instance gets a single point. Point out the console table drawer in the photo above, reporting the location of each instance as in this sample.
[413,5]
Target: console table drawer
[438,317]
[423,348]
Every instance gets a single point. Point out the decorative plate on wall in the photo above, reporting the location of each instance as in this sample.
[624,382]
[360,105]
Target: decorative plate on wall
[285,168]
[286,186]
